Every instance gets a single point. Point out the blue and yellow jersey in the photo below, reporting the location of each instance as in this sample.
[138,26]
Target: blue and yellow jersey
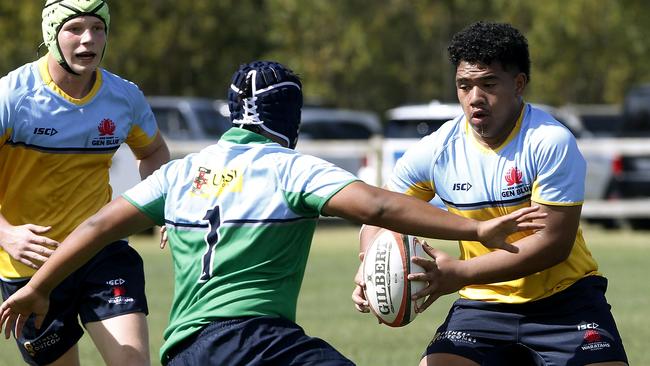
[55,150]
[539,162]
[240,217]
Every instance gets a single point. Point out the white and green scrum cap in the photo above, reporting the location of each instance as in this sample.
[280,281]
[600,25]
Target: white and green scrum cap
[57,12]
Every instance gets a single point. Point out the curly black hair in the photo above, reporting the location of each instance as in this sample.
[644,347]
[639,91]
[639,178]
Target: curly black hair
[485,42]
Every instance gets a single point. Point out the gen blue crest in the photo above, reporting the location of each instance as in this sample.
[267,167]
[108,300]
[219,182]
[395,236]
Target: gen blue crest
[269,95]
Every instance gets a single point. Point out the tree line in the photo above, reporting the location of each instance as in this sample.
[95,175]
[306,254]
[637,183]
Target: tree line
[356,53]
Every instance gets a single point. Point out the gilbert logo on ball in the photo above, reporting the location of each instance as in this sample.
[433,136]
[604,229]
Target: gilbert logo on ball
[386,266]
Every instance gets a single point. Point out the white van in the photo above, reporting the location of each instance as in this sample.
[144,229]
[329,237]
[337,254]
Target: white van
[409,123]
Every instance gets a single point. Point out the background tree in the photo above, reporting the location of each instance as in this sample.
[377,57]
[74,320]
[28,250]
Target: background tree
[356,53]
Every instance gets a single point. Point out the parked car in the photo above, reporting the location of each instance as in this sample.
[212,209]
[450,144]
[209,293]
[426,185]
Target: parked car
[596,120]
[636,112]
[190,119]
[619,139]
[350,139]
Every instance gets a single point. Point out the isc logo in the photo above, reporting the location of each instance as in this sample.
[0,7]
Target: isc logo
[45,131]
[116,282]
[587,326]
[462,186]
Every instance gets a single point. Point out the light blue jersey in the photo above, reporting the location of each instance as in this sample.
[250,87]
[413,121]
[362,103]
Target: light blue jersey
[538,162]
[55,150]
[240,217]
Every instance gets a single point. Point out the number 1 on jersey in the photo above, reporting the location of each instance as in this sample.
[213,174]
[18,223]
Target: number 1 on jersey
[211,238]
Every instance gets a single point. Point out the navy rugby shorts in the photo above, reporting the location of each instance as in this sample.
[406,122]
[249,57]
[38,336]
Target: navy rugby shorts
[572,327]
[254,341]
[109,285]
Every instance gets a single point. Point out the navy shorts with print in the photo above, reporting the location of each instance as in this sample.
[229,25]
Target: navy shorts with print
[572,327]
[254,341]
[109,285]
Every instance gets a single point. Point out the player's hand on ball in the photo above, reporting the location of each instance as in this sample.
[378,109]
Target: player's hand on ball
[15,311]
[25,244]
[440,274]
[493,233]
[358,295]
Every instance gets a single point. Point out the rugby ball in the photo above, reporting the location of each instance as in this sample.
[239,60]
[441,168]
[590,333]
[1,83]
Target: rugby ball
[386,266]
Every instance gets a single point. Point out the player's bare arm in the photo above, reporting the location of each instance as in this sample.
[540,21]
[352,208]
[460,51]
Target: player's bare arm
[152,156]
[362,203]
[26,243]
[116,220]
[538,251]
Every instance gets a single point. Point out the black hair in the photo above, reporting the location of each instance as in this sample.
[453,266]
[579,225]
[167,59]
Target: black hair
[486,42]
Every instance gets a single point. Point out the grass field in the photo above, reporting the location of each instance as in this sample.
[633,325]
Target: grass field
[325,309]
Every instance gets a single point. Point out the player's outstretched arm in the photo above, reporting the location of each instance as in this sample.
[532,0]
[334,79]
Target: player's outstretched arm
[115,221]
[362,203]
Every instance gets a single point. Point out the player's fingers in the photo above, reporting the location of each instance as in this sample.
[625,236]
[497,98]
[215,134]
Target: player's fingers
[35,257]
[532,216]
[523,211]
[9,324]
[523,226]
[163,237]
[429,276]
[427,303]
[358,278]
[4,315]
[507,247]
[428,264]
[431,251]
[20,322]
[29,263]
[38,229]
[42,240]
[359,300]
[359,296]
[360,309]
[41,250]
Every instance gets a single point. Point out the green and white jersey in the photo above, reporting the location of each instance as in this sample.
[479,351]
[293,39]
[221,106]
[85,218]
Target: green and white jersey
[240,216]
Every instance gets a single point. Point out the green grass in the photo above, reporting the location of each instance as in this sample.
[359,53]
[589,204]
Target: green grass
[325,308]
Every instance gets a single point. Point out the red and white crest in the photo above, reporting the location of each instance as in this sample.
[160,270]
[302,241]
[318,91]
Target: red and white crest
[514,176]
[106,127]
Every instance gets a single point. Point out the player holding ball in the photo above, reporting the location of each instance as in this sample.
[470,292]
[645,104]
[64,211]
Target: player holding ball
[547,301]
